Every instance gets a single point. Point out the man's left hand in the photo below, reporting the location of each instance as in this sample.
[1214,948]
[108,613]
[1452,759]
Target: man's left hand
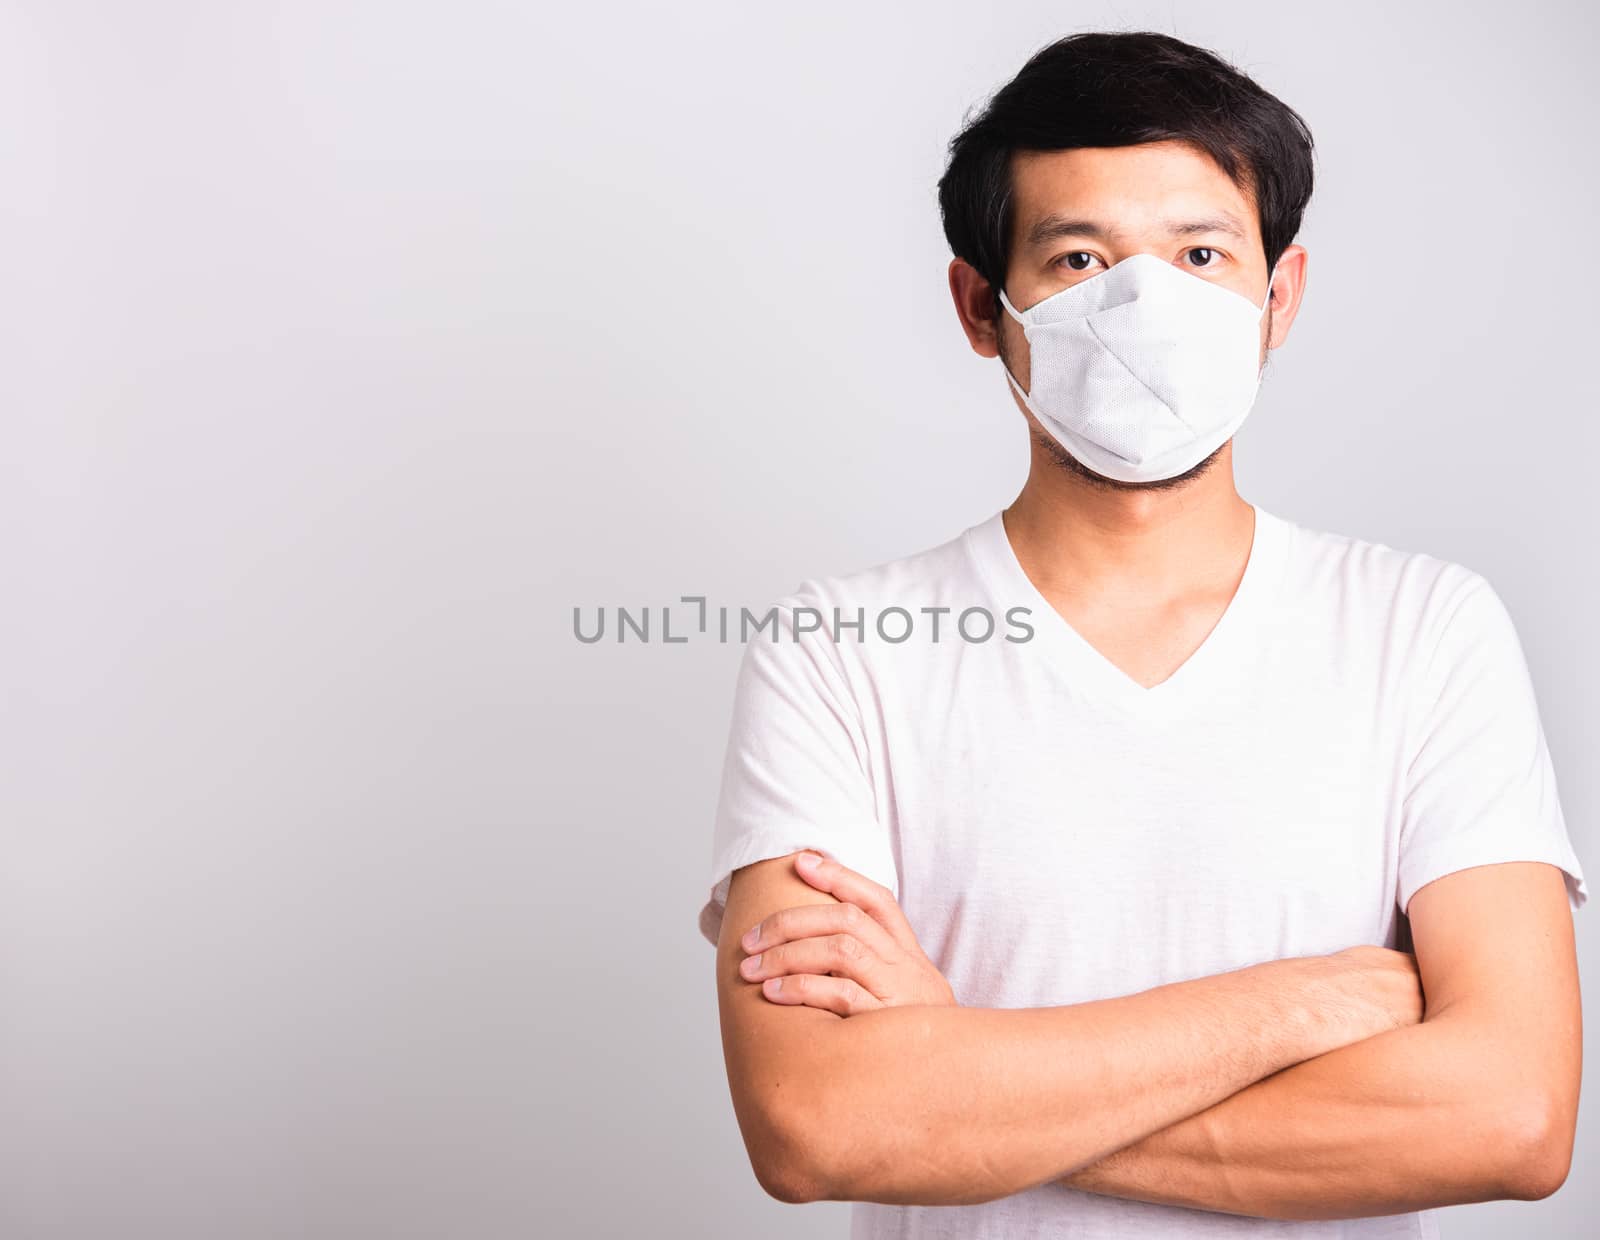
[849,957]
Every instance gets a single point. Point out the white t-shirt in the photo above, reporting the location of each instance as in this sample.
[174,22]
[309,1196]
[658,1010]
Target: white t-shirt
[1359,722]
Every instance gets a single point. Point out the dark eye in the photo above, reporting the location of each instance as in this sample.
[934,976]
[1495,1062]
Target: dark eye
[1206,261]
[1072,259]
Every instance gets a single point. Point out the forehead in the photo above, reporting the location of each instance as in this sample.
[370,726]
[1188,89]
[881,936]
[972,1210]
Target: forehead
[1131,190]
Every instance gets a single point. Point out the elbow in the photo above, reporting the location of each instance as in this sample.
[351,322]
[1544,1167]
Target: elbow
[788,1180]
[787,1183]
[788,1160]
[1537,1147]
[819,1132]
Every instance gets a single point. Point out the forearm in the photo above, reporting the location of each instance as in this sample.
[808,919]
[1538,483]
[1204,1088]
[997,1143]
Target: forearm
[954,1105]
[1407,1120]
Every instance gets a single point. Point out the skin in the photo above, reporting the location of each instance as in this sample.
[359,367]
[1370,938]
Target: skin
[940,1104]
[1320,1087]
[1475,1102]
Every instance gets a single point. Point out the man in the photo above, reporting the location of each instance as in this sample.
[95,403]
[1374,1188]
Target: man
[1107,935]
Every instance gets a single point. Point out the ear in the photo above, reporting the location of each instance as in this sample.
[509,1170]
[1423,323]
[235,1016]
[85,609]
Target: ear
[1288,288]
[976,302]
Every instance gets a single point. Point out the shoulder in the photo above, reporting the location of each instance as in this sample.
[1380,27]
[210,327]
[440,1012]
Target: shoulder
[941,574]
[849,627]
[1406,593]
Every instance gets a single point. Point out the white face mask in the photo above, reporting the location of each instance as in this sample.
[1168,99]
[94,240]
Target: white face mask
[1142,371]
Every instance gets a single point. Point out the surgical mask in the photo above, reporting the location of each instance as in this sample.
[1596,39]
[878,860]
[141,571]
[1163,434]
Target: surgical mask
[1142,371]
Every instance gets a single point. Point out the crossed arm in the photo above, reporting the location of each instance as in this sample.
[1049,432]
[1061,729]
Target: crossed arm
[1477,1101]
[1289,1089]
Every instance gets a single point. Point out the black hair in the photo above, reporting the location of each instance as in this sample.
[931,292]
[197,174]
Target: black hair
[1101,89]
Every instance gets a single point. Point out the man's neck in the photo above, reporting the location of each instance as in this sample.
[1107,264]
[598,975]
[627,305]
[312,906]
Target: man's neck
[1083,544]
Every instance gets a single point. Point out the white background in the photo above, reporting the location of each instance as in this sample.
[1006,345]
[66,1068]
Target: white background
[348,346]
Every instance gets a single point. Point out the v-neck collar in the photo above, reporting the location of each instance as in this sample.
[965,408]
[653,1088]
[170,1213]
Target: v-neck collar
[1226,649]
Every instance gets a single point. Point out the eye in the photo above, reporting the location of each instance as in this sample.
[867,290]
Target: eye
[1209,256]
[1073,262]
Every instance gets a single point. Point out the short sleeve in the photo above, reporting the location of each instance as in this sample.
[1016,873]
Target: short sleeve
[1480,788]
[796,773]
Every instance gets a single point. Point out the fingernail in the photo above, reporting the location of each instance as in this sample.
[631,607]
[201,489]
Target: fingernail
[809,859]
[752,936]
[775,982]
[750,964]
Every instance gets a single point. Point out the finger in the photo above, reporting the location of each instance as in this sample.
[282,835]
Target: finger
[831,994]
[839,954]
[853,887]
[810,920]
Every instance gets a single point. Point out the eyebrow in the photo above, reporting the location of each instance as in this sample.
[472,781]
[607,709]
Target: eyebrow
[1052,227]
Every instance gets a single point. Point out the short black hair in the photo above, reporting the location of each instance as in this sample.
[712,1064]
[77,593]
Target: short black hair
[1100,89]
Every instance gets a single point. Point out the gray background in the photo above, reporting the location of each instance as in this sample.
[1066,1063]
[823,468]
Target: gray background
[348,346]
